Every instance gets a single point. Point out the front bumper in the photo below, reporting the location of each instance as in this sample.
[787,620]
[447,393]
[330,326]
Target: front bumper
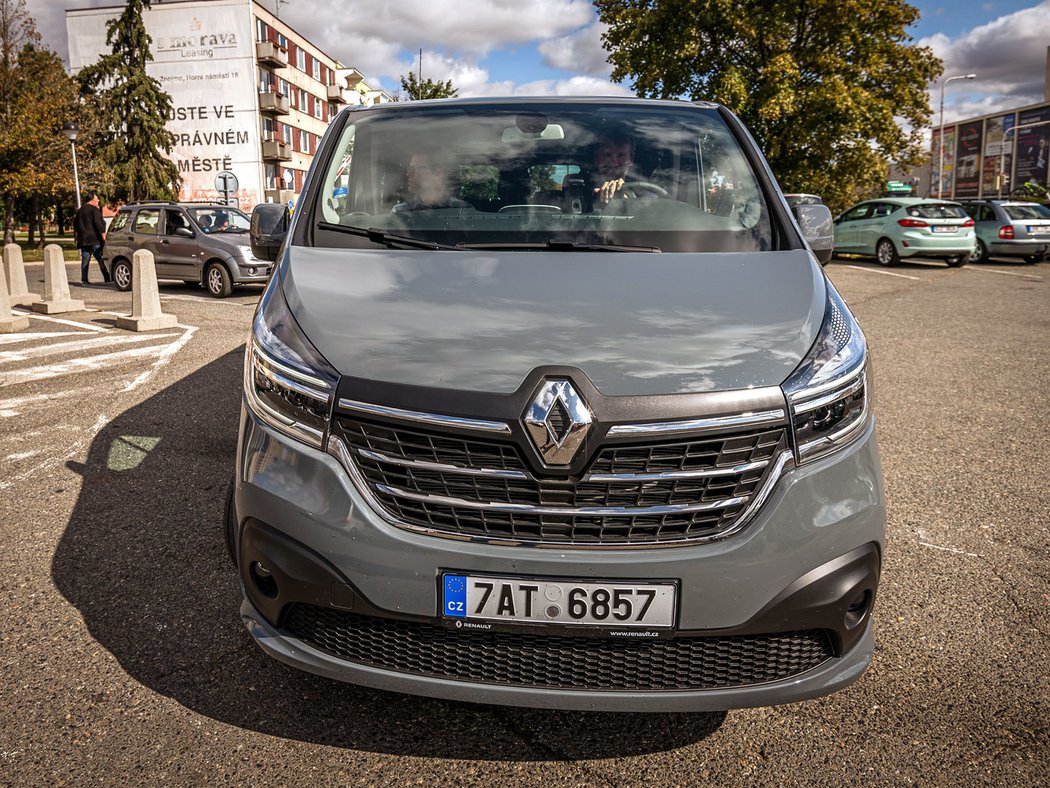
[810,553]
[242,272]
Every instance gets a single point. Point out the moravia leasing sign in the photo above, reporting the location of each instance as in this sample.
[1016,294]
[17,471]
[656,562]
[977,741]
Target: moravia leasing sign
[203,56]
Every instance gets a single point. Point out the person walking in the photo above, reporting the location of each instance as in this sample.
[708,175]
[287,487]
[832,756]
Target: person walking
[89,232]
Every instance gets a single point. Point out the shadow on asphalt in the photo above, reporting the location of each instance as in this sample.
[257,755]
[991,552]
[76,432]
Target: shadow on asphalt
[143,560]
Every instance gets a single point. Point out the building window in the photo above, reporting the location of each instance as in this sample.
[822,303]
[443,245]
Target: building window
[283,85]
[268,129]
[287,133]
[264,81]
[260,30]
[282,41]
[317,108]
[316,70]
[300,59]
[271,176]
[304,140]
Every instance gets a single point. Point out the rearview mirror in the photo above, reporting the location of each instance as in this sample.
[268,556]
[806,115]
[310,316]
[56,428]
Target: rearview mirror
[183,232]
[268,229]
[817,228]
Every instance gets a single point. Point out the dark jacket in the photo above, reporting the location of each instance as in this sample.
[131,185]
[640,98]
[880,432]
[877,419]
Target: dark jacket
[88,227]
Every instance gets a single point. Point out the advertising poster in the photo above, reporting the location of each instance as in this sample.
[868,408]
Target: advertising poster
[968,159]
[1033,148]
[942,182]
[203,58]
[995,135]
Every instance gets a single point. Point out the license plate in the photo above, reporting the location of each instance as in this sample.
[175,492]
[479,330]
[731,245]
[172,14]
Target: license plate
[1038,229]
[534,601]
[939,229]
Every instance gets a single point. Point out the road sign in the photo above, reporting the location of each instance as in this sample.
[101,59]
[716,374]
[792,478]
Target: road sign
[226,182]
[898,186]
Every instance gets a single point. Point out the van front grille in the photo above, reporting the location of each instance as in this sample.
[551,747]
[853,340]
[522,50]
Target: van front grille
[682,488]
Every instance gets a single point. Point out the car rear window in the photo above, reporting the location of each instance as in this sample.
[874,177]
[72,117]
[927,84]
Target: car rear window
[937,211]
[1027,211]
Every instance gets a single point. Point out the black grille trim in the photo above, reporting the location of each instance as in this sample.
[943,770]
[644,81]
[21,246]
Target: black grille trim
[553,662]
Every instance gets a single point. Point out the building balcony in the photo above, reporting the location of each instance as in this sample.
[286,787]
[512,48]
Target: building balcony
[269,54]
[273,103]
[351,77]
[275,150]
[335,94]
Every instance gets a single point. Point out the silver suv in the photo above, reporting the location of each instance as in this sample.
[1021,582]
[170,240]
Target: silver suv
[197,243]
[549,403]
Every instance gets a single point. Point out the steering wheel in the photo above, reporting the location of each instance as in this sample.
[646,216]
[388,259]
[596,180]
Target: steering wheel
[647,186]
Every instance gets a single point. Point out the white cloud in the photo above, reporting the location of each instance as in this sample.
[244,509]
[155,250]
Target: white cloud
[1008,55]
[580,51]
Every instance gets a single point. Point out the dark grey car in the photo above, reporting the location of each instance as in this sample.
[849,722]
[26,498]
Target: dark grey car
[204,244]
[549,403]
[1010,228]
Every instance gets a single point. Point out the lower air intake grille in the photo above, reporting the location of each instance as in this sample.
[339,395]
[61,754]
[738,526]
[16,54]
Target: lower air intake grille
[571,663]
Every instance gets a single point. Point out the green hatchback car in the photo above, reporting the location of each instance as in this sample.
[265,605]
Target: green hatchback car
[894,228]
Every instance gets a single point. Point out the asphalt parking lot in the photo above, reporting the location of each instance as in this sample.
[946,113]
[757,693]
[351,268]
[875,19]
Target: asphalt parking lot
[125,661]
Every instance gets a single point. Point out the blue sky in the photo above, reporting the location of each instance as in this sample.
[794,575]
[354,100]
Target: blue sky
[498,47]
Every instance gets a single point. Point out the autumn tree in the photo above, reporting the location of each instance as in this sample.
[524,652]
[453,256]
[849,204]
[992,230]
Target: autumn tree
[135,142]
[17,31]
[426,89]
[833,90]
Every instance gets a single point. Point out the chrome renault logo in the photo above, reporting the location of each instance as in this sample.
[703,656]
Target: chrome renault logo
[558,420]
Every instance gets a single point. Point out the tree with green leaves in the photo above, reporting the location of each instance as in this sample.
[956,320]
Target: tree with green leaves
[833,90]
[135,142]
[426,89]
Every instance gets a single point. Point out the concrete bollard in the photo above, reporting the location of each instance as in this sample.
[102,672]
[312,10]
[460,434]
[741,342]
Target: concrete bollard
[15,273]
[56,286]
[9,323]
[145,297]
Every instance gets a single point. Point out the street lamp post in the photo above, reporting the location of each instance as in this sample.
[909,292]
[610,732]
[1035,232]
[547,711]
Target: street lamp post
[1002,150]
[71,130]
[940,133]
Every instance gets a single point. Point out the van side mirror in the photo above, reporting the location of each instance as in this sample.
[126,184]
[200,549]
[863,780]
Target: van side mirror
[268,229]
[817,228]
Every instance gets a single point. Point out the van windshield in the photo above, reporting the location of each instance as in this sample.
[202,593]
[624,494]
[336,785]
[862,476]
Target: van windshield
[543,175]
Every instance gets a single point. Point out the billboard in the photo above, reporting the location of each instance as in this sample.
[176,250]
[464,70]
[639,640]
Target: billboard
[1033,147]
[968,159]
[995,135]
[203,57]
[941,183]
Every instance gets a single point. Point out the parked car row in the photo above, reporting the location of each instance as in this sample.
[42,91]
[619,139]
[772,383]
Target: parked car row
[894,228]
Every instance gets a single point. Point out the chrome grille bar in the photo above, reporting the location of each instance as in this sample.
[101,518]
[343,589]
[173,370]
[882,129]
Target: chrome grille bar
[756,419]
[440,466]
[425,418]
[629,511]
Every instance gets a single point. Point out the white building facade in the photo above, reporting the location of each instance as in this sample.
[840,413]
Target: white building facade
[249,95]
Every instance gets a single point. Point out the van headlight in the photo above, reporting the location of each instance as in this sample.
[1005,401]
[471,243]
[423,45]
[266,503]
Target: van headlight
[828,394]
[287,382]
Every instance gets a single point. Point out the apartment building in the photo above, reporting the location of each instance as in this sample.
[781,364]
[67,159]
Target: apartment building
[250,95]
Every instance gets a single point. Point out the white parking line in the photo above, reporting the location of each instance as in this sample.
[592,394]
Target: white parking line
[163,358]
[74,323]
[884,273]
[78,365]
[984,270]
[10,339]
[75,346]
[214,301]
[9,408]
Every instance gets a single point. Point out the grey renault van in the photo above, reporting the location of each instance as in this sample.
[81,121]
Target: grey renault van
[549,403]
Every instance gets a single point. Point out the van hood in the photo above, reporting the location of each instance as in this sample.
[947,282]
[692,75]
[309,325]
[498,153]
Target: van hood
[634,323]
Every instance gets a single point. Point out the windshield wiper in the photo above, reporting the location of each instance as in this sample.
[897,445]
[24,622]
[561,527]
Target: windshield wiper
[562,246]
[389,240]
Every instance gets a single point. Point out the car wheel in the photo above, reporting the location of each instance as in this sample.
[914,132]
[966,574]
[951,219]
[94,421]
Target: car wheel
[980,252]
[122,275]
[886,252]
[220,285]
[1032,259]
[957,261]
[230,526]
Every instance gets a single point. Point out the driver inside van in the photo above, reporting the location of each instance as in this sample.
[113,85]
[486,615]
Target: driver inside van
[613,159]
[428,184]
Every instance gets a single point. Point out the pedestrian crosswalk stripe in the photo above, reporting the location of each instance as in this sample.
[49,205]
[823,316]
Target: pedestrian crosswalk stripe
[56,348]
